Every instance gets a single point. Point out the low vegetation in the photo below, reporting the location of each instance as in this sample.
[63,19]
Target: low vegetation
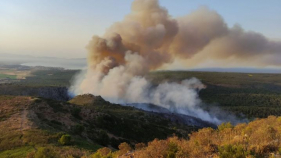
[65,139]
[49,77]
[260,138]
[35,126]
[90,127]
[251,95]
[5,76]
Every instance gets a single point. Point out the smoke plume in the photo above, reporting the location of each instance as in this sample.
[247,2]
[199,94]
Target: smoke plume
[149,38]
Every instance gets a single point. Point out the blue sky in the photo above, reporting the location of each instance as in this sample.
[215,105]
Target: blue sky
[62,28]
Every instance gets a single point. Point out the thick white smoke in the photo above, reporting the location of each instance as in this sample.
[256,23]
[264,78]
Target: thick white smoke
[179,98]
[149,38]
[125,84]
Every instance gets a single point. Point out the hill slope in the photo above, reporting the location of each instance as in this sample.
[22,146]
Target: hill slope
[258,139]
[30,125]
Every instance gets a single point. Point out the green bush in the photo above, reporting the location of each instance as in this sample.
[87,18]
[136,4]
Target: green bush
[225,125]
[65,139]
[103,153]
[172,150]
[232,151]
[45,152]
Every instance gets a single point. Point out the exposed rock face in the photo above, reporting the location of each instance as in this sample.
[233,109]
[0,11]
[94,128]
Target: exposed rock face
[55,93]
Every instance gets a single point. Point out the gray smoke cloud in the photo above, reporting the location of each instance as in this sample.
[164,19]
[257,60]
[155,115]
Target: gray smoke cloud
[149,38]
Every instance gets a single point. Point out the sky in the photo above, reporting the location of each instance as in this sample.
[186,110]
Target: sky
[62,28]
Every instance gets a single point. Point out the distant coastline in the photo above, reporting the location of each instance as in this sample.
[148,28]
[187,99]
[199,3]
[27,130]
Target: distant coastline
[80,63]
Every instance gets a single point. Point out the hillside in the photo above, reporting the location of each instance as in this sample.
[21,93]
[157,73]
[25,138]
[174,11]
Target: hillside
[254,95]
[30,124]
[258,139]
[32,127]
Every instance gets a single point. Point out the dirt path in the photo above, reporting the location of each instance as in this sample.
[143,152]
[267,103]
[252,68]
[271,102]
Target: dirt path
[24,124]
[24,120]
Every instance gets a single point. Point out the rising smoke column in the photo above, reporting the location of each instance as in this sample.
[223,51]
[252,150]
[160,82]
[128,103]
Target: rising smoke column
[149,38]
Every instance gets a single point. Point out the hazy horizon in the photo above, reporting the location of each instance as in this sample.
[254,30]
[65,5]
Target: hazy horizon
[81,63]
[62,30]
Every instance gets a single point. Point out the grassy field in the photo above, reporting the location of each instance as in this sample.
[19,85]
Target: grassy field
[54,77]
[5,76]
[14,72]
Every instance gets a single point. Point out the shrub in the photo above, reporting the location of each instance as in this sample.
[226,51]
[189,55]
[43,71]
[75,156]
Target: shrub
[172,150]
[279,151]
[45,152]
[139,146]
[30,155]
[103,153]
[232,151]
[77,129]
[124,148]
[225,125]
[65,139]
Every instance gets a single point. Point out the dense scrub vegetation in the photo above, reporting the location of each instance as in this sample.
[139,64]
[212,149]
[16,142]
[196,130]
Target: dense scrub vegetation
[253,95]
[257,139]
[129,124]
[22,132]
[79,127]
[35,126]
[260,138]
